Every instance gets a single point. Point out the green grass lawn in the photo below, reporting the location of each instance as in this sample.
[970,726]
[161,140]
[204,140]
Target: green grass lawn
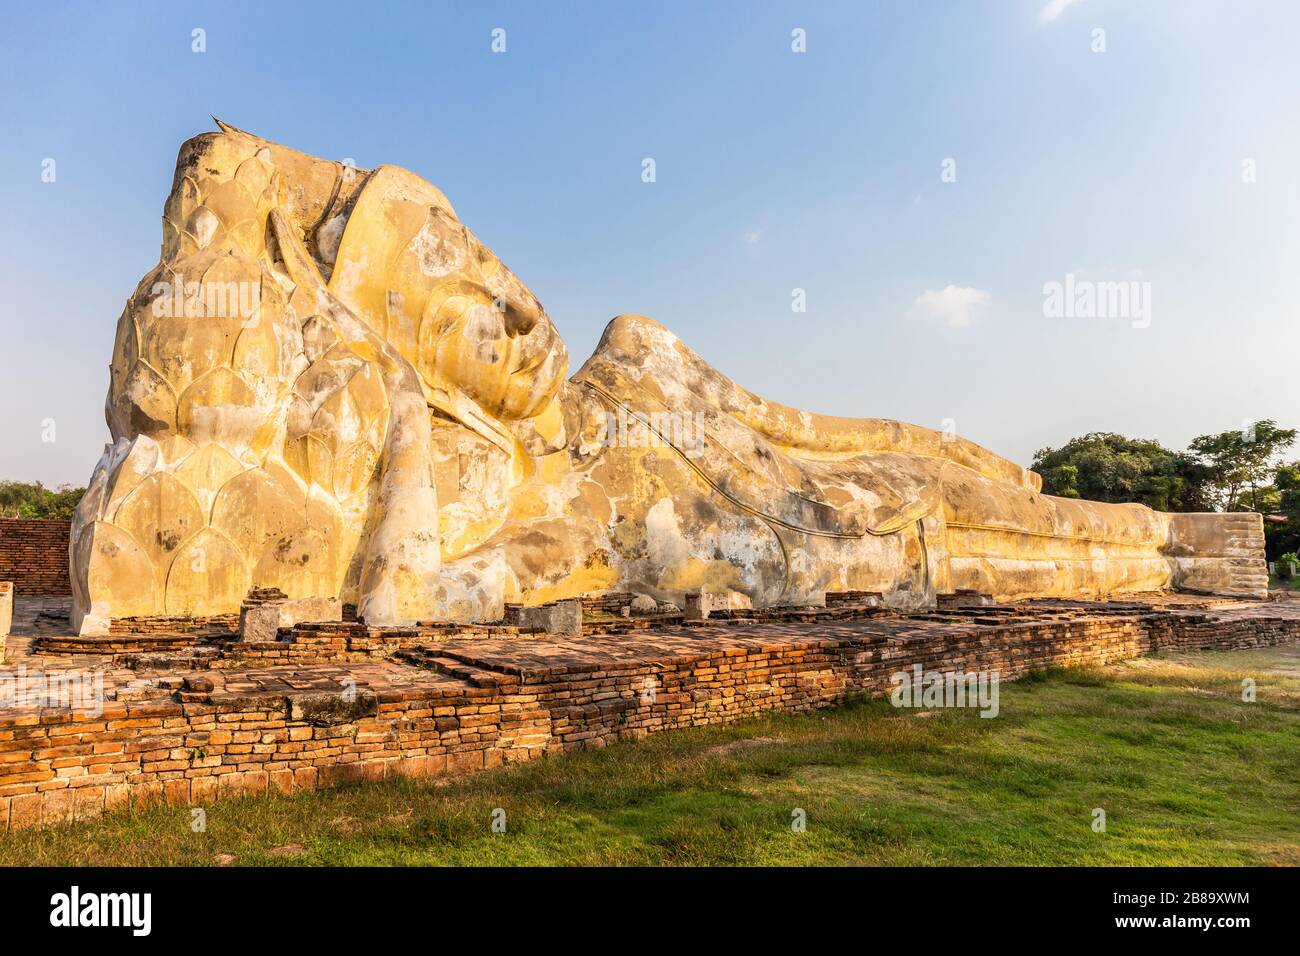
[1186,772]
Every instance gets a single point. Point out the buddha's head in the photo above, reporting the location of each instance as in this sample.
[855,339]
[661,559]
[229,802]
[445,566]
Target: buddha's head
[390,247]
[416,274]
[481,330]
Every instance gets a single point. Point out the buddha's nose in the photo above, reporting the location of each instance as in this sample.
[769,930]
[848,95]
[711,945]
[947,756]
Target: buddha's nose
[522,315]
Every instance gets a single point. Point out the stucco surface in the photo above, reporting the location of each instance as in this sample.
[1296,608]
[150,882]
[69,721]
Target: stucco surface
[393,424]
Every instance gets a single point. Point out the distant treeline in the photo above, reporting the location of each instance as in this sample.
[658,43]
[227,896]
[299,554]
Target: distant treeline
[21,499]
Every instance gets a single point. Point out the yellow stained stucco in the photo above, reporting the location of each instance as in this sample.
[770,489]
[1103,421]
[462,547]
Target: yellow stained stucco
[329,385]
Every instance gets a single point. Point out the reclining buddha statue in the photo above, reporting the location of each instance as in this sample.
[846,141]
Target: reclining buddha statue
[328,385]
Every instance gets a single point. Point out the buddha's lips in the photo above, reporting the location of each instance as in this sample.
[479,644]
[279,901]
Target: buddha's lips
[536,364]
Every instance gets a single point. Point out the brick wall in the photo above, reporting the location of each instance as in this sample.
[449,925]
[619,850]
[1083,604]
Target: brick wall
[213,624]
[495,702]
[34,555]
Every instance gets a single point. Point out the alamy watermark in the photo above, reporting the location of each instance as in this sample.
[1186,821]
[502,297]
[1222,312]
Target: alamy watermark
[74,908]
[222,300]
[81,691]
[1086,299]
[683,431]
[934,689]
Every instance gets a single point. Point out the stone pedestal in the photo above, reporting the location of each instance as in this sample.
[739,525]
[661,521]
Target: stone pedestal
[963,598]
[264,612]
[557,619]
[700,604]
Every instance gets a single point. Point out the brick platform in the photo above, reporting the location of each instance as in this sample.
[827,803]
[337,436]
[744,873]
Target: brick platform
[430,701]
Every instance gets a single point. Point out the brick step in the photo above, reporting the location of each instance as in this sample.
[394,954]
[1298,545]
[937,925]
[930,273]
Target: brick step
[473,674]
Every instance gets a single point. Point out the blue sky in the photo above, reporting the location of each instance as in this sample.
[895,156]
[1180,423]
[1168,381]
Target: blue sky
[775,171]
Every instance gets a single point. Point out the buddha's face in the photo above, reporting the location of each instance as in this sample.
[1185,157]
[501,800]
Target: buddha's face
[413,270]
[484,329]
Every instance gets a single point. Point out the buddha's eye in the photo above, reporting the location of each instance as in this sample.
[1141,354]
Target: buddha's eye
[483,323]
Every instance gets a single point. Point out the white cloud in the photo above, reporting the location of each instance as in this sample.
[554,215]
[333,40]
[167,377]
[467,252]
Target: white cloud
[953,305]
[1054,9]
[752,237]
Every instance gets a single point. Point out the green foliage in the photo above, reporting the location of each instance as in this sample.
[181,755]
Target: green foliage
[20,499]
[1241,462]
[1065,479]
[1228,471]
[1283,498]
[1104,466]
[1247,476]
[1286,480]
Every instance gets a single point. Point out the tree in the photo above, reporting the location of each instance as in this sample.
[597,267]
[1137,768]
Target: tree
[1065,481]
[1287,483]
[1104,466]
[20,499]
[1285,501]
[1242,461]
